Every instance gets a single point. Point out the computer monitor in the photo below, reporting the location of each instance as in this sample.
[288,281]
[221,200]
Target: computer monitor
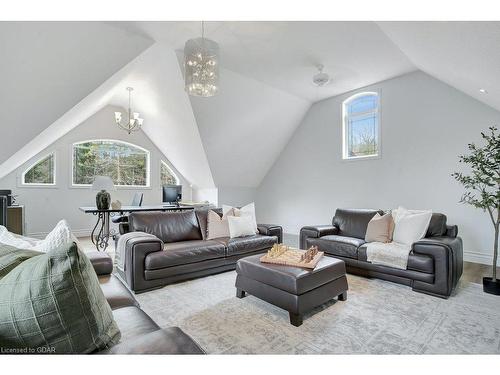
[172,194]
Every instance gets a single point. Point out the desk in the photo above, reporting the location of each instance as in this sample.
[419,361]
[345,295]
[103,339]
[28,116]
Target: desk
[101,233]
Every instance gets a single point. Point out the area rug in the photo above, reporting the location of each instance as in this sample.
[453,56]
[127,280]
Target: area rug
[378,317]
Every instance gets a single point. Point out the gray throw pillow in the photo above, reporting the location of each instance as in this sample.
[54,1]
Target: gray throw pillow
[52,303]
[11,257]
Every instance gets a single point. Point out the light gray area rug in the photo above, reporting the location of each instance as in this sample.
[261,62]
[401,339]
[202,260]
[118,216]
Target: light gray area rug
[378,317]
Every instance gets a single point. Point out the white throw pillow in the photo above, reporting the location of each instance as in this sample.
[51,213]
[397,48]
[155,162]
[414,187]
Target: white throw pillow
[60,236]
[248,210]
[240,226]
[217,226]
[16,240]
[410,225]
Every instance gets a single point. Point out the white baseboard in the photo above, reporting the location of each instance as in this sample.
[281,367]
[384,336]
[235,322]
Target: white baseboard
[476,257]
[77,233]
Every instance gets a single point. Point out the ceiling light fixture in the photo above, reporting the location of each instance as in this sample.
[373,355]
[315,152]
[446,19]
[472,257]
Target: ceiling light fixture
[201,66]
[483,91]
[134,122]
[321,79]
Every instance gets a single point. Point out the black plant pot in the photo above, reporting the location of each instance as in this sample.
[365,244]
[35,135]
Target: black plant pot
[490,286]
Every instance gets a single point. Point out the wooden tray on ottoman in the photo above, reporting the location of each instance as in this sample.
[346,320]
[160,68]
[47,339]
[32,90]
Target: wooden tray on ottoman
[291,257]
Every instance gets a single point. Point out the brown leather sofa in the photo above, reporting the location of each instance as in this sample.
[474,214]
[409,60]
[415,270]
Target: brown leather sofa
[435,263]
[139,333]
[179,248]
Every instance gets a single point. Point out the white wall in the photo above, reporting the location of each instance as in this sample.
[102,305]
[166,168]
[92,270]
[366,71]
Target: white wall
[245,127]
[237,196]
[425,125]
[45,206]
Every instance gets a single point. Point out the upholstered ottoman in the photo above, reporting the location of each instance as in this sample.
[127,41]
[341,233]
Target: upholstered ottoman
[294,289]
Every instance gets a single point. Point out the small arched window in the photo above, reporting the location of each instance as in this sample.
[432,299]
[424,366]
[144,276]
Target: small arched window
[361,126]
[42,172]
[167,175]
[126,163]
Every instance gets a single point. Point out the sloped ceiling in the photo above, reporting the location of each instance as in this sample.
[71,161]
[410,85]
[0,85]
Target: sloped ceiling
[465,55]
[285,54]
[245,127]
[55,75]
[162,102]
[48,67]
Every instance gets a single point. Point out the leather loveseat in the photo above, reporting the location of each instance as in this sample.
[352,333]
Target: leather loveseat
[435,263]
[139,333]
[179,248]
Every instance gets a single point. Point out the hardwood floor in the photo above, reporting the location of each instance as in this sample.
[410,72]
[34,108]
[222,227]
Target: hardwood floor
[474,272]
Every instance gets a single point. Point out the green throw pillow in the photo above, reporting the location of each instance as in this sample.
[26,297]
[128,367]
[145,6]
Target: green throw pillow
[11,257]
[52,303]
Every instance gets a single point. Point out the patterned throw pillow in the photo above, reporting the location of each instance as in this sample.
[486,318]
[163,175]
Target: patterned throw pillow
[52,303]
[11,257]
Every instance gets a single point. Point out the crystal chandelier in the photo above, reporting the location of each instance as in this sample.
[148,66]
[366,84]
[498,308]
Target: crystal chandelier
[134,122]
[201,66]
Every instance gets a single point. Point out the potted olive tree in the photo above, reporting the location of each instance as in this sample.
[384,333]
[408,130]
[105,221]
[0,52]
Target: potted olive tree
[482,187]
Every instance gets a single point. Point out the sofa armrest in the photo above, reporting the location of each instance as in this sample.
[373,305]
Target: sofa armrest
[447,253]
[134,247]
[170,340]
[102,262]
[271,230]
[315,231]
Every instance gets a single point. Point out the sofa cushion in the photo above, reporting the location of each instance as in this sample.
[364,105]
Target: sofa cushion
[167,226]
[184,252]
[133,322]
[337,245]
[416,262]
[353,222]
[54,301]
[171,340]
[249,244]
[116,293]
[11,257]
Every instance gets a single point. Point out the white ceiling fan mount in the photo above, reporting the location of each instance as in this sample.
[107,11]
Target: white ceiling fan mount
[321,79]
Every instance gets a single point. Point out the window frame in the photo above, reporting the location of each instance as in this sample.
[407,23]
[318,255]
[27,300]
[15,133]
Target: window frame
[171,171]
[32,165]
[119,187]
[345,132]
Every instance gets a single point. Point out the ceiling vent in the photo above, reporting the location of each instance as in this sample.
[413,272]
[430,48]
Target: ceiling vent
[321,79]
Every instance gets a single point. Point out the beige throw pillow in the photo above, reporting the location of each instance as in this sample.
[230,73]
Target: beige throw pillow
[218,226]
[380,228]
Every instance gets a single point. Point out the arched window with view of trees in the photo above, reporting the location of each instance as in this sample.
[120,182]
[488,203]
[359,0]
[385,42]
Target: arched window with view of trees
[125,163]
[167,175]
[42,172]
[361,126]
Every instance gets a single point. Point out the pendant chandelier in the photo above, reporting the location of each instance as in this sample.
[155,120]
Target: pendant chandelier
[201,66]
[134,122]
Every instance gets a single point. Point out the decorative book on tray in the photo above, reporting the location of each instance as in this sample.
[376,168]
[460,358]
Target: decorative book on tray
[287,256]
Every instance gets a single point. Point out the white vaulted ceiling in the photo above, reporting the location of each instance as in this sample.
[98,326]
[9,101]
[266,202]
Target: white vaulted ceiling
[55,75]
[48,67]
[285,54]
[465,55]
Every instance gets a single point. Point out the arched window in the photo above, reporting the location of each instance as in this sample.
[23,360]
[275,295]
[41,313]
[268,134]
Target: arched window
[167,175]
[42,172]
[125,163]
[361,126]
